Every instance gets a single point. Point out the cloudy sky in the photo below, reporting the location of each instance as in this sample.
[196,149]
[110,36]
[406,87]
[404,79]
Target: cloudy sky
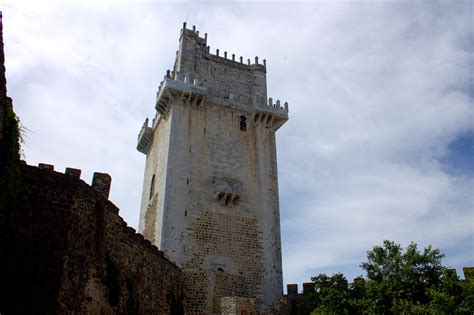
[380,141]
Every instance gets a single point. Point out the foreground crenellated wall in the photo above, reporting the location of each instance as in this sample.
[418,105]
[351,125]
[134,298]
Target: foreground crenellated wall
[66,249]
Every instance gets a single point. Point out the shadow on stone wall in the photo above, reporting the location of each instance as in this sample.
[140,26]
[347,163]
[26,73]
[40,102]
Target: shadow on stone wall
[66,249]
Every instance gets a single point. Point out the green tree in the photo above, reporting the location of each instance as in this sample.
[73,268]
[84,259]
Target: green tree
[453,296]
[332,294]
[397,282]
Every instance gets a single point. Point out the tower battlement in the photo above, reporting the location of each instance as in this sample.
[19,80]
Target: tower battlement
[229,81]
[230,59]
[187,85]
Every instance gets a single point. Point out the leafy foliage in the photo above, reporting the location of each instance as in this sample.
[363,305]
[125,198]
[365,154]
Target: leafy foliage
[410,282]
[10,141]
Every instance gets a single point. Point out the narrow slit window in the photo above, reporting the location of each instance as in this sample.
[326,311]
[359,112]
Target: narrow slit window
[152,186]
[243,123]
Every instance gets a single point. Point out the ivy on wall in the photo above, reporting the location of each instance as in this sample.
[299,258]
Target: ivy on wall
[10,144]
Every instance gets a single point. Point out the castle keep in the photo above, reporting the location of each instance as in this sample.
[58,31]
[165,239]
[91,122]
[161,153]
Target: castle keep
[210,190]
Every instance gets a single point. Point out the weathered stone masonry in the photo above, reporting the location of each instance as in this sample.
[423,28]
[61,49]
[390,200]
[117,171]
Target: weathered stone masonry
[67,250]
[210,191]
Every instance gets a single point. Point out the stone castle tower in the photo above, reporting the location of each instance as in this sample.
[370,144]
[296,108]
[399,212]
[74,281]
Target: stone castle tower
[210,192]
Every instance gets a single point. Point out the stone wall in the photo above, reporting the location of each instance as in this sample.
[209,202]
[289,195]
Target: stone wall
[203,290]
[215,291]
[67,250]
[239,306]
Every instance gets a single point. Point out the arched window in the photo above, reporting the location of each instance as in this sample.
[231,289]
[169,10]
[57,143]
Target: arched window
[152,186]
[243,123]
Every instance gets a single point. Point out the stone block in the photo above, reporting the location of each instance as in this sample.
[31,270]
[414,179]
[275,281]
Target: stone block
[74,172]
[44,166]
[292,289]
[468,273]
[101,183]
[308,287]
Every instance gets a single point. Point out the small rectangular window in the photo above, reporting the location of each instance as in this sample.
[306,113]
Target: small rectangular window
[243,123]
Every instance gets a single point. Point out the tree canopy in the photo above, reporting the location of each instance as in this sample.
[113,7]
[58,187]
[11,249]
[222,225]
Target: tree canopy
[397,282]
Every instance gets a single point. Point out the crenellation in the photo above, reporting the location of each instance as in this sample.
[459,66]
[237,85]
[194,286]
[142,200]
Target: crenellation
[145,137]
[47,167]
[75,237]
[308,287]
[292,289]
[74,172]
[202,43]
[101,183]
[273,106]
[184,90]
[188,78]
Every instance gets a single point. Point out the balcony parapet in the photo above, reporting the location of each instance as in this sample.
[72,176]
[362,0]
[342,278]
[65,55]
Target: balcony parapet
[181,89]
[145,138]
[270,114]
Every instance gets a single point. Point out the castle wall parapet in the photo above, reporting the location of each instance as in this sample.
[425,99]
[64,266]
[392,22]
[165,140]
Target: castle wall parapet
[101,182]
[270,114]
[181,89]
[83,255]
[217,57]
